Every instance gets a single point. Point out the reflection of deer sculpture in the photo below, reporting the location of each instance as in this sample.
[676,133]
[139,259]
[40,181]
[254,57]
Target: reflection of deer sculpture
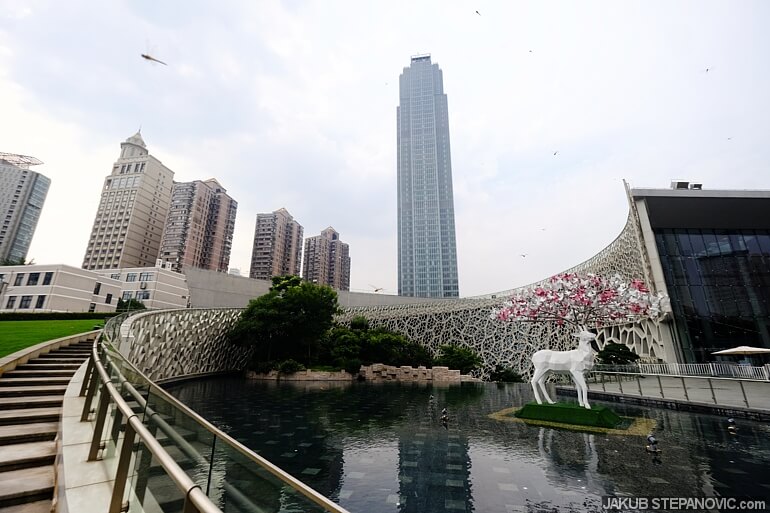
[574,362]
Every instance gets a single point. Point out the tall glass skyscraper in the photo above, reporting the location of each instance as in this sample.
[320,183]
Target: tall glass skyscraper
[427,249]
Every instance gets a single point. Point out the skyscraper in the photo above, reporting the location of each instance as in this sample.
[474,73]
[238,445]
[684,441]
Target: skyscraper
[22,194]
[327,260]
[199,227]
[277,246]
[135,200]
[427,249]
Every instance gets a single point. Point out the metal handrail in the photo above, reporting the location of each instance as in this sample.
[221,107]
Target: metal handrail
[181,479]
[629,373]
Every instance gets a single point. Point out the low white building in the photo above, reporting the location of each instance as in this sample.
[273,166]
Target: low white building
[155,287]
[56,288]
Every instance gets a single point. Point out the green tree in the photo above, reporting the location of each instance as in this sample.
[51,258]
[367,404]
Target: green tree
[17,261]
[288,322]
[130,305]
[616,354]
[456,357]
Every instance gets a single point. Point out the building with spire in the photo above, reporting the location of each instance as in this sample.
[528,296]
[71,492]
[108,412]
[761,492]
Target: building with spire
[277,249]
[427,249]
[129,221]
[199,227]
[22,194]
[327,260]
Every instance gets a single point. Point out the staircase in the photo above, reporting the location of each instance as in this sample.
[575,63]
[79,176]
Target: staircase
[31,398]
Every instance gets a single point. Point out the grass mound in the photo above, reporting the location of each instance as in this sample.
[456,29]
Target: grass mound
[571,413]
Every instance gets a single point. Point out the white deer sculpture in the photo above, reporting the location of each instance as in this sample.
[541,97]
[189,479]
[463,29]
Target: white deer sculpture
[574,362]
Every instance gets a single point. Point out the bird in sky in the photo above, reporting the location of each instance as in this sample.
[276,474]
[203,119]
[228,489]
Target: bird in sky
[376,289]
[555,152]
[153,59]
[477,12]
[524,255]
[729,138]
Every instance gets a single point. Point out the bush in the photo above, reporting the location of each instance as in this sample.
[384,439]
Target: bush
[263,367]
[505,374]
[456,357]
[290,367]
[352,366]
[616,354]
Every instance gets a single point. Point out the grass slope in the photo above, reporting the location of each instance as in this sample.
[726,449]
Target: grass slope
[16,335]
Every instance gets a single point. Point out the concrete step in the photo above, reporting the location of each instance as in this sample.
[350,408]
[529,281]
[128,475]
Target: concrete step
[26,455]
[26,382]
[9,417]
[21,433]
[26,402]
[43,506]
[39,373]
[56,357]
[49,366]
[26,485]
[32,390]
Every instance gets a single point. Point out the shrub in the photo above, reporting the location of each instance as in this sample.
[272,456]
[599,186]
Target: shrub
[352,366]
[456,357]
[263,367]
[505,374]
[290,367]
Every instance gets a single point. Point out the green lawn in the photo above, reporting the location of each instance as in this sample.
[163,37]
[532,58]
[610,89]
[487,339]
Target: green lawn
[15,335]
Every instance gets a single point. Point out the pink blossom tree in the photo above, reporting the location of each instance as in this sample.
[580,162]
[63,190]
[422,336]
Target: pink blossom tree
[586,301]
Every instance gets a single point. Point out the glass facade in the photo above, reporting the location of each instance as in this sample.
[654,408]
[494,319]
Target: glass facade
[427,249]
[719,284]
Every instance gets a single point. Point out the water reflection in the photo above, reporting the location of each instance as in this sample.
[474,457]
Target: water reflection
[383,448]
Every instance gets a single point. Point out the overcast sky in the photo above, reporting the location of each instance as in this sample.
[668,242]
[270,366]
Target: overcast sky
[293,104]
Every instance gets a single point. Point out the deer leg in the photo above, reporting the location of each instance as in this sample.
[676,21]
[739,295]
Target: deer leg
[582,389]
[535,377]
[541,382]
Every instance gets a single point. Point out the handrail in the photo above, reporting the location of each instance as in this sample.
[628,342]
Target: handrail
[182,480]
[719,378]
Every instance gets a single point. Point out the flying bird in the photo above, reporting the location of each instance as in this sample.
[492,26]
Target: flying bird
[153,59]
[555,152]
[477,12]
[376,289]
[524,255]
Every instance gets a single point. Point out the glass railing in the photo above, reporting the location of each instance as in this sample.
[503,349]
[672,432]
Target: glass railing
[164,457]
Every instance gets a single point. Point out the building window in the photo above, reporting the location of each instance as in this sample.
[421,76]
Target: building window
[11,302]
[97,288]
[145,277]
[127,294]
[115,276]
[92,307]
[25,301]
[33,278]
[108,299]
[40,301]
[47,277]
[18,280]
[130,276]
[143,295]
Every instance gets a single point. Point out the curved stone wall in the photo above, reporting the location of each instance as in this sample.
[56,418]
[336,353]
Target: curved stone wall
[176,343]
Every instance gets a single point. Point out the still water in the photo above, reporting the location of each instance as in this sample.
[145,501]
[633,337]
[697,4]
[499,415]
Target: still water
[384,449]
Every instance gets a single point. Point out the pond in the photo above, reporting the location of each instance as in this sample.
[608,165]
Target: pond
[382,448]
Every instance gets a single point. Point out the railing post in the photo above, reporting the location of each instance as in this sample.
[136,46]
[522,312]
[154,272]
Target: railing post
[620,383]
[711,386]
[660,385]
[743,391]
[101,413]
[639,384]
[684,387]
[604,388]
[93,383]
[121,474]
[87,376]
[189,507]
[711,369]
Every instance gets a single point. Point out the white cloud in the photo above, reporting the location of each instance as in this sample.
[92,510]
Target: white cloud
[292,104]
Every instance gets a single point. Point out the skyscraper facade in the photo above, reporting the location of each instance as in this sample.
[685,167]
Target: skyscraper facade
[22,194]
[199,227]
[427,249]
[132,212]
[327,260]
[277,247]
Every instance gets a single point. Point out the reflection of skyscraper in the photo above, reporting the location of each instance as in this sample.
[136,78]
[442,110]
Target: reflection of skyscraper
[22,193]
[427,250]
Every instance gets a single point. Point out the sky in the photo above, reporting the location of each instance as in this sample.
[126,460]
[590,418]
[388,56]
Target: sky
[293,104]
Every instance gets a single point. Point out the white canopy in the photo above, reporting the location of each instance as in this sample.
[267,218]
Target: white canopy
[743,350]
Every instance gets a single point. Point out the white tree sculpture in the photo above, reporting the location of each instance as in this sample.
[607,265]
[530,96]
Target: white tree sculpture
[585,301]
